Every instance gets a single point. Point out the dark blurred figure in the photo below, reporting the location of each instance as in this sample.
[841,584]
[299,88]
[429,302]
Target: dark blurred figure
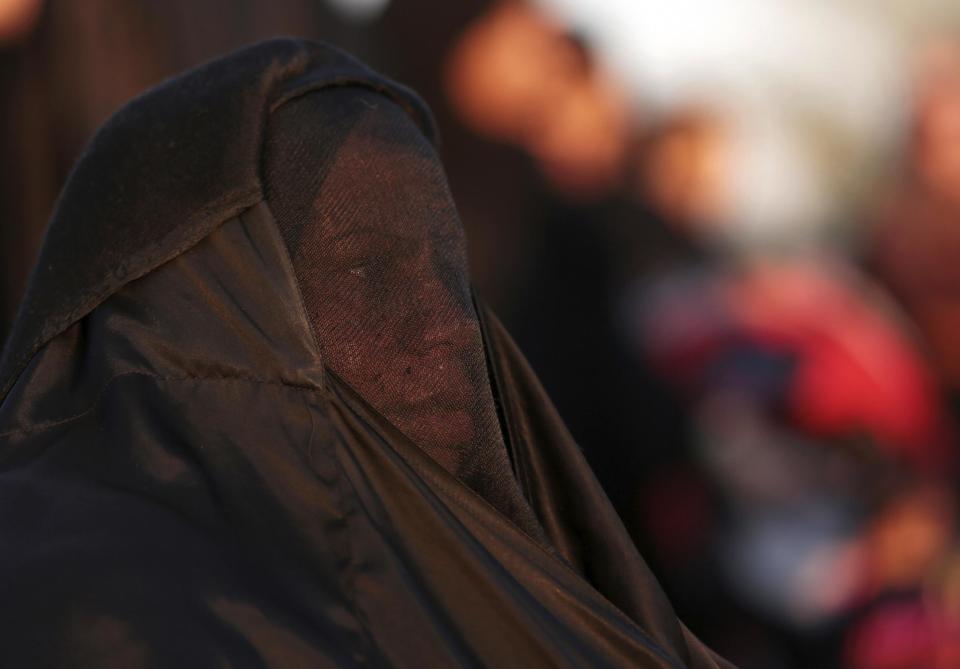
[913,244]
[520,80]
[917,237]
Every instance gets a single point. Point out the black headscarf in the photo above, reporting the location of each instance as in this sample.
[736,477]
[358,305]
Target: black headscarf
[252,416]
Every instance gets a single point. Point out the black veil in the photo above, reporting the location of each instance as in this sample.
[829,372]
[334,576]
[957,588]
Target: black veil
[379,252]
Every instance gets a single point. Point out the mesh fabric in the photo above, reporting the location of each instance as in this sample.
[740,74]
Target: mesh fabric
[379,251]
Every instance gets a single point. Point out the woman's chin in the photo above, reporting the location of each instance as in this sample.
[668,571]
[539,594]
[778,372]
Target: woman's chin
[437,426]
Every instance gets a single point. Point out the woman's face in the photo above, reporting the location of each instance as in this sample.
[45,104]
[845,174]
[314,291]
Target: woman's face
[396,320]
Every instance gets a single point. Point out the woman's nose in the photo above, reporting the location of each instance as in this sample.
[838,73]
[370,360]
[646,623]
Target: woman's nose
[436,315]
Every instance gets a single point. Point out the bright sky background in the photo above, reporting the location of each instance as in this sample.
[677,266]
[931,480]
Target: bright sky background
[775,69]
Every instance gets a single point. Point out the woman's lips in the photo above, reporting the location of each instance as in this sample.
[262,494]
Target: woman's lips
[428,390]
[437,398]
[431,425]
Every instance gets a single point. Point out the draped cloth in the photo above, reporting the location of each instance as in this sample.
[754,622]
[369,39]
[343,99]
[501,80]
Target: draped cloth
[252,414]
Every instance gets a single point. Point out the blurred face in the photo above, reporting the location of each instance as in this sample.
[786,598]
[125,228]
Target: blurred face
[17,18]
[506,70]
[683,173]
[516,77]
[937,109]
[397,321]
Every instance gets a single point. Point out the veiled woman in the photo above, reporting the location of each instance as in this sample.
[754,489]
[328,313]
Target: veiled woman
[253,416]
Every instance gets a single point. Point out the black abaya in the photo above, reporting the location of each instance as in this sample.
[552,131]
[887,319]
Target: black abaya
[252,416]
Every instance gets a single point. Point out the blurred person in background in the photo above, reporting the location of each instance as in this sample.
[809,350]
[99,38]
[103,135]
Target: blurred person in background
[824,455]
[915,236]
[518,78]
